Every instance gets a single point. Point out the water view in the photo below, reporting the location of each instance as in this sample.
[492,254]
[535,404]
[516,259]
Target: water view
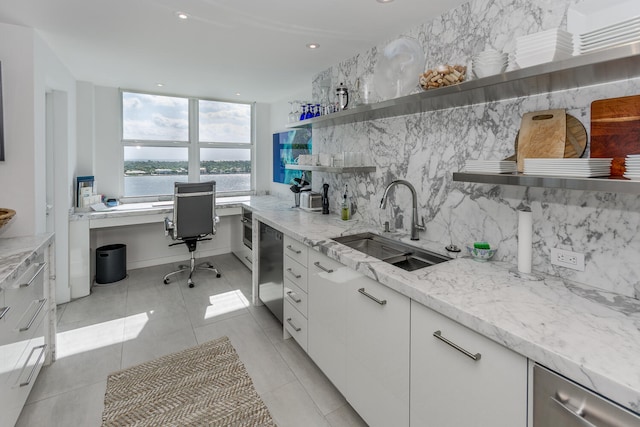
[163,184]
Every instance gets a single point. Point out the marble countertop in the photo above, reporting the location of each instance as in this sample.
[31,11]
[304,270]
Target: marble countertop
[588,335]
[151,208]
[18,253]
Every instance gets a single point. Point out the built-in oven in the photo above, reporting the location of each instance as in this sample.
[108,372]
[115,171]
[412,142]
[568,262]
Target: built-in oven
[247,229]
[560,402]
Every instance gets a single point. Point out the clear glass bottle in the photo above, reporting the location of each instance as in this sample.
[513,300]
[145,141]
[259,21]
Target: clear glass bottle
[345,209]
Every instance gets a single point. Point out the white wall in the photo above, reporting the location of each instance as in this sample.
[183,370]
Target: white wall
[30,70]
[17,172]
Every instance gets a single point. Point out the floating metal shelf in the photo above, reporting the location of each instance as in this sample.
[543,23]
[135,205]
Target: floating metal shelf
[346,169]
[610,184]
[619,63]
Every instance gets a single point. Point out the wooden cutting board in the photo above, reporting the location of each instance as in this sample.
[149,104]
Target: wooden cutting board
[576,140]
[615,130]
[542,134]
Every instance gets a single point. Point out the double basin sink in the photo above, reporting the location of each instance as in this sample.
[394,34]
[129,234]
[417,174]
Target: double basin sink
[396,253]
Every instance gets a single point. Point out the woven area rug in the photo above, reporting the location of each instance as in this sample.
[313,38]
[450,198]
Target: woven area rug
[205,385]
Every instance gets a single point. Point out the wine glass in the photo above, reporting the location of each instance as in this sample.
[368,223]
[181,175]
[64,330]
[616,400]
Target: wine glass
[293,116]
[303,113]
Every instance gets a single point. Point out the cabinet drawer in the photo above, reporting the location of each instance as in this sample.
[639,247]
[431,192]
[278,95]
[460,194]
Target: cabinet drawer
[295,272]
[295,250]
[451,364]
[296,297]
[296,324]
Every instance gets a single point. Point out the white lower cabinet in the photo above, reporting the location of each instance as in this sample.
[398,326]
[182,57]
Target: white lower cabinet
[327,316]
[378,353]
[359,337]
[451,389]
[23,349]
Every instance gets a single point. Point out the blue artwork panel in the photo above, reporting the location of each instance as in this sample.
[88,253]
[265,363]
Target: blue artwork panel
[287,146]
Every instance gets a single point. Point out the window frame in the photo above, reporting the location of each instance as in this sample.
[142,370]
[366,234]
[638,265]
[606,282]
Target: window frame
[193,145]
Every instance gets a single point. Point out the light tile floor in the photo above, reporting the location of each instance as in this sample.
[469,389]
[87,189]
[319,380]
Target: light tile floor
[139,319]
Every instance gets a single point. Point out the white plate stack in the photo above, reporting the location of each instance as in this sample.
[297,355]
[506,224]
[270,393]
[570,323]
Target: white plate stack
[545,46]
[583,168]
[489,63]
[632,167]
[490,166]
[624,32]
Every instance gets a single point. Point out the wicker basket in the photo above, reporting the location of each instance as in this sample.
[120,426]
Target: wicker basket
[5,216]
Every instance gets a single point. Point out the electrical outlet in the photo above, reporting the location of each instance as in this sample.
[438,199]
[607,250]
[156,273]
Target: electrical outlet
[568,259]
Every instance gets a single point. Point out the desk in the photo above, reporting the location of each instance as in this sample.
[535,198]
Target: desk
[87,229]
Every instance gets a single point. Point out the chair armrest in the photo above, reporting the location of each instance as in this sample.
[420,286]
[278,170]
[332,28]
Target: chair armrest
[169,227]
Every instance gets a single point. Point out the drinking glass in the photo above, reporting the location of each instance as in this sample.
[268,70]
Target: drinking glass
[303,112]
[309,113]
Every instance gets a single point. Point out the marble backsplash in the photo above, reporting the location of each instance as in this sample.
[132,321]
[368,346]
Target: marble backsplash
[426,148]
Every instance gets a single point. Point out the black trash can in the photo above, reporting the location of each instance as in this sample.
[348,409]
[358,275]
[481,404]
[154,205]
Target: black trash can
[111,263]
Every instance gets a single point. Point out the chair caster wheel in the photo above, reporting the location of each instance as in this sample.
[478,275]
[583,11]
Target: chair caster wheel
[166,281]
[218,275]
[191,285]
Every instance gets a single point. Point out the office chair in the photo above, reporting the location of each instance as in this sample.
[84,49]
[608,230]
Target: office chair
[194,218]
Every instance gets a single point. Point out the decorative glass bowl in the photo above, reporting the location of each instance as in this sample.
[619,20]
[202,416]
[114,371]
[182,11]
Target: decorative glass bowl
[480,254]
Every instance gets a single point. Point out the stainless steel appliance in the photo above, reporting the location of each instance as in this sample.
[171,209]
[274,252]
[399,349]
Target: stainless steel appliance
[270,275]
[560,402]
[247,228]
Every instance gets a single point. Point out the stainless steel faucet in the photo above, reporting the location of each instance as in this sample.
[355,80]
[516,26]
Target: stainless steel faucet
[415,227]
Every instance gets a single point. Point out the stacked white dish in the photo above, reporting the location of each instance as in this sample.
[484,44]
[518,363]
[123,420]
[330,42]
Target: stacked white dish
[545,46]
[584,168]
[489,63]
[617,34]
[632,167]
[490,166]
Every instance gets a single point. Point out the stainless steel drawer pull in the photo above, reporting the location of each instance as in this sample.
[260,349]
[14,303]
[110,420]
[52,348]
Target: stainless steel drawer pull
[4,311]
[317,264]
[293,296]
[290,271]
[42,302]
[248,259]
[42,348]
[295,328]
[475,357]
[578,413]
[379,301]
[292,249]
[42,265]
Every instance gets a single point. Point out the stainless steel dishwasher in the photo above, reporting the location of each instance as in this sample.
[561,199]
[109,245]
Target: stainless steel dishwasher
[558,402]
[270,275]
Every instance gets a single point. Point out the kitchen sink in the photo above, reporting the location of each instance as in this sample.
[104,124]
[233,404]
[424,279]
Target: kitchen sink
[391,251]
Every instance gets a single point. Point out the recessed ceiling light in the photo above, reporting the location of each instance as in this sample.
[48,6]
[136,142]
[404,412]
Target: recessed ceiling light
[313,45]
[237,93]
[182,15]
[159,84]
[384,1]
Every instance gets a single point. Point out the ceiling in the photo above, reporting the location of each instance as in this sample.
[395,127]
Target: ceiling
[248,50]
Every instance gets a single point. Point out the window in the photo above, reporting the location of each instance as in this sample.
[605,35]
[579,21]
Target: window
[164,143]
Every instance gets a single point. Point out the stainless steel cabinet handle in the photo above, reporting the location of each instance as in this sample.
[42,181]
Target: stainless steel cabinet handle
[248,259]
[293,296]
[42,302]
[4,311]
[295,328]
[42,348]
[577,413]
[379,301]
[317,264]
[475,357]
[290,271]
[292,249]
[42,265]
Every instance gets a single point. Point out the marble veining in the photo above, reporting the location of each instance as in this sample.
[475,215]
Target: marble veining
[426,148]
[567,326]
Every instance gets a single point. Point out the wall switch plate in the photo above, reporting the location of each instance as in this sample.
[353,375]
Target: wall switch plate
[567,259]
